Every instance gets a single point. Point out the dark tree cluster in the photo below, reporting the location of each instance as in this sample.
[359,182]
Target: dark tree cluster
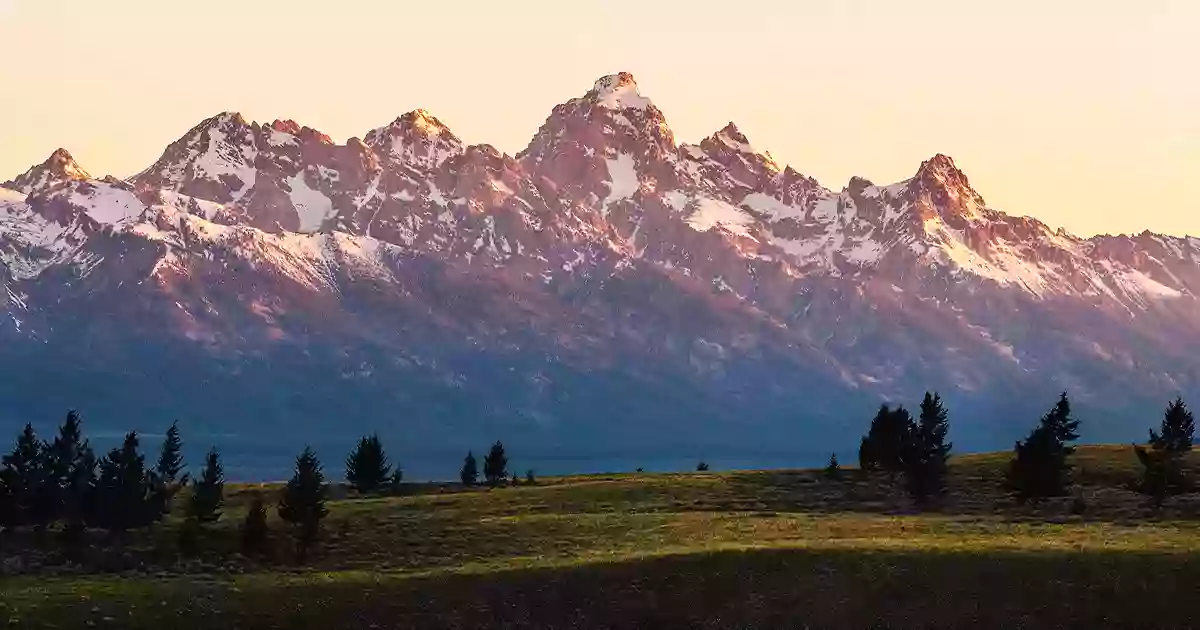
[917,449]
[495,469]
[44,483]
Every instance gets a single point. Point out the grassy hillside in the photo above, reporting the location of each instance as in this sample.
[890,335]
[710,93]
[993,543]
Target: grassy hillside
[776,548]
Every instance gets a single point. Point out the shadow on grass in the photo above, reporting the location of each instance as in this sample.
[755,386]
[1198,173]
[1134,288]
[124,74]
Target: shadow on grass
[761,589]
[968,493]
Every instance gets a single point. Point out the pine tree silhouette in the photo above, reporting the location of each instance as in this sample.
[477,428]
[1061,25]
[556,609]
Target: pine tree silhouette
[367,467]
[126,495]
[170,457]
[70,473]
[1177,430]
[470,470]
[495,465]
[1163,470]
[926,455]
[884,446]
[1039,467]
[208,490]
[303,501]
[22,478]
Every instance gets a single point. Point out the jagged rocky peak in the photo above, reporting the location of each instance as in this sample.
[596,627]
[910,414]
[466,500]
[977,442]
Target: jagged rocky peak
[940,169]
[611,121]
[940,188]
[417,138]
[214,160]
[618,91]
[732,136]
[730,142]
[60,167]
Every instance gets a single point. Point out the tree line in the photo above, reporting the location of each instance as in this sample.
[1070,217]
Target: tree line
[917,451]
[61,482]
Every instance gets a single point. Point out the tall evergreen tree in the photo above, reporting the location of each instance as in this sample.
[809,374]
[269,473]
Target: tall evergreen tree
[1060,422]
[126,495]
[1039,467]
[1163,466]
[22,478]
[208,491]
[470,470]
[367,467]
[495,465]
[1177,430]
[303,501]
[927,453]
[170,457]
[70,473]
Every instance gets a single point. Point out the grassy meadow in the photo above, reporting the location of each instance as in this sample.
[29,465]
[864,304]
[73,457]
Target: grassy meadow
[721,550]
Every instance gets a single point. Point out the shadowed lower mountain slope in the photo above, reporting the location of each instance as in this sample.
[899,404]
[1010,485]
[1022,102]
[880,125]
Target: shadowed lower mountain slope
[606,287]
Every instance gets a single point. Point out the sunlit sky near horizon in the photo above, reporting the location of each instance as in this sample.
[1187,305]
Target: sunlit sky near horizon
[1083,114]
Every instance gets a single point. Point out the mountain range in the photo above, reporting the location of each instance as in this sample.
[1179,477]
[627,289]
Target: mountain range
[606,290]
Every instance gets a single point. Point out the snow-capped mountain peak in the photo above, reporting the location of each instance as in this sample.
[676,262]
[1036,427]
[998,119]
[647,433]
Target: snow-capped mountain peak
[417,138]
[733,137]
[214,160]
[60,167]
[940,189]
[618,91]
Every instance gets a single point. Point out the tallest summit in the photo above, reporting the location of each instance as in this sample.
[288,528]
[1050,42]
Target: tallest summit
[618,91]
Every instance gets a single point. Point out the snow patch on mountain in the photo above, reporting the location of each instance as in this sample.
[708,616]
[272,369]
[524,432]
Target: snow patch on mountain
[107,204]
[622,180]
[772,207]
[224,158]
[711,213]
[31,243]
[312,206]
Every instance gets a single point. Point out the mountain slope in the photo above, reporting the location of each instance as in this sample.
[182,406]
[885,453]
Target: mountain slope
[604,288]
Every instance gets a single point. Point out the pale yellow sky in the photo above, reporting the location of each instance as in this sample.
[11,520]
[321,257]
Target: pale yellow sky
[1085,114]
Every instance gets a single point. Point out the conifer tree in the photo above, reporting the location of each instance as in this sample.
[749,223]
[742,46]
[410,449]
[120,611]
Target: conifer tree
[208,491]
[470,470]
[170,457]
[1177,431]
[927,452]
[1162,465]
[495,465]
[126,495]
[70,473]
[303,501]
[1039,467]
[887,439]
[367,467]
[1064,427]
[255,533]
[22,478]
[833,469]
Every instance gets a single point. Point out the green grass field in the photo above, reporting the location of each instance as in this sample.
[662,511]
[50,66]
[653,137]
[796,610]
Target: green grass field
[721,550]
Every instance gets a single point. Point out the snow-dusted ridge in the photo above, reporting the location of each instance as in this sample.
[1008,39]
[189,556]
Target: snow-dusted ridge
[414,184]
